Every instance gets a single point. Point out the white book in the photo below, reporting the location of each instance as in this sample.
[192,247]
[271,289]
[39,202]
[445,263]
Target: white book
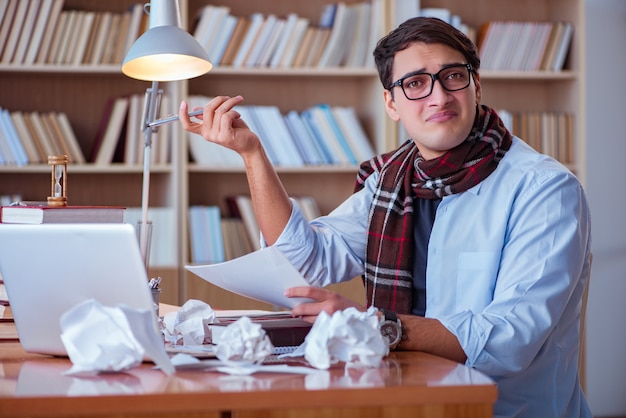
[26,35]
[6,155]
[210,31]
[357,53]
[287,34]
[538,46]
[336,46]
[38,31]
[272,43]
[42,135]
[249,116]
[76,152]
[7,10]
[203,23]
[215,234]
[224,35]
[133,128]
[302,138]
[295,43]
[10,143]
[104,25]
[51,25]
[82,34]
[316,121]
[279,136]
[21,157]
[113,131]
[198,227]
[337,134]
[14,34]
[261,41]
[256,20]
[244,204]
[563,46]
[65,37]
[26,137]
[353,131]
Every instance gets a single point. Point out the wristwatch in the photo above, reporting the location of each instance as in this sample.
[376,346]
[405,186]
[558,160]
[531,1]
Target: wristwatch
[391,328]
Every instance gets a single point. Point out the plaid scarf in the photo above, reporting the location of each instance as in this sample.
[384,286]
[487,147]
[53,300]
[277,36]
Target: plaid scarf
[404,174]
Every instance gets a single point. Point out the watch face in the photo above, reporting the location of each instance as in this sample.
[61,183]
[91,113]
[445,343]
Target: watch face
[391,331]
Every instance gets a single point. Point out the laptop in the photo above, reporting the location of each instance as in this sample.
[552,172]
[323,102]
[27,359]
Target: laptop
[48,269]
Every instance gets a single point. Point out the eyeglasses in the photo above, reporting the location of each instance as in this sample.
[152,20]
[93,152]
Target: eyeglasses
[419,85]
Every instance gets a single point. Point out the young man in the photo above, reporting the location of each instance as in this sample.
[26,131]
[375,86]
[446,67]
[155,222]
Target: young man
[478,243]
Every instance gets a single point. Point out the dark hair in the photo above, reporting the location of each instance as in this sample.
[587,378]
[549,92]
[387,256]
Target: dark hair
[428,30]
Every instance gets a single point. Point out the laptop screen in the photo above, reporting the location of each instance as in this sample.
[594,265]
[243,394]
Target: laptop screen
[50,268]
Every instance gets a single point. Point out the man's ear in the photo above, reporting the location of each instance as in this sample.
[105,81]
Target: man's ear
[390,106]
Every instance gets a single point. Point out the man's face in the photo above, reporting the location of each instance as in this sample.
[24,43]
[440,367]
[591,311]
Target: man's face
[443,120]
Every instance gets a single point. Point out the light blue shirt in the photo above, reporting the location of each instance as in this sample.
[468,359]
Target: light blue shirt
[508,262]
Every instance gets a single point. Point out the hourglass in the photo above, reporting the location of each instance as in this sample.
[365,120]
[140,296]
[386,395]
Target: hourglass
[58,183]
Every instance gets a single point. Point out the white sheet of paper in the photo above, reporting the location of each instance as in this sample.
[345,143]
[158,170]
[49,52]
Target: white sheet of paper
[262,275]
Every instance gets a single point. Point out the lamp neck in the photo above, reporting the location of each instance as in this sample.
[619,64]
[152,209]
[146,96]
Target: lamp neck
[163,13]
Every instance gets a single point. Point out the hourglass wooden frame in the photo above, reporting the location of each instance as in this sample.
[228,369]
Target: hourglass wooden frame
[58,180]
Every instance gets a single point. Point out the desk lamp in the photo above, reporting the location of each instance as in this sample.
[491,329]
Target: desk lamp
[165,52]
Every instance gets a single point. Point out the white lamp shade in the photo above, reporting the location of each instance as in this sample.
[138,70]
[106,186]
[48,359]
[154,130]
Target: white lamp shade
[166,53]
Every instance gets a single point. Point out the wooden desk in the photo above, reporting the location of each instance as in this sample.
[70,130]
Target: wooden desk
[407,384]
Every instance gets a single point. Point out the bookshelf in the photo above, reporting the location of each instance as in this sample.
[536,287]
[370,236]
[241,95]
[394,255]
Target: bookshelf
[81,92]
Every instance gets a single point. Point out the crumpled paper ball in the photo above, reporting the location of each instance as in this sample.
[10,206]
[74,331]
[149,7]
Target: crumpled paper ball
[188,324]
[244,343]
[348,336]
[99,338]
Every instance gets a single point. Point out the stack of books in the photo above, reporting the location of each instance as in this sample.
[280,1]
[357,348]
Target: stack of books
[42,32]
[319,135]
[524,46]
[29,137]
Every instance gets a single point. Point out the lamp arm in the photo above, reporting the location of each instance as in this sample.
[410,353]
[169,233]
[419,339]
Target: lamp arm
[151,109]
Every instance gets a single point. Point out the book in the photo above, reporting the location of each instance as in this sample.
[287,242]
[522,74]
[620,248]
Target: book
[256,21]
[101,30]
[26,137]
[282,329]
[336,44]
[69,36]
[83,34]
[235,41]
[68,133]
[261,41]
[563,47]
[282,41]
[272,43]
[8,11]
[223,37]
[288,56]
[15,143]
[55,41]
[357,53]
[14,33]
[46,39]
[61,214]
[113,123]
[25,37]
